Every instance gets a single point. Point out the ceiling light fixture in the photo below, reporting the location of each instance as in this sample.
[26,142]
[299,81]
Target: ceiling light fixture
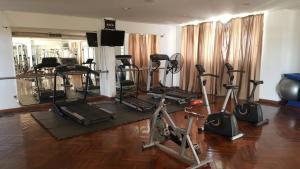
[126,8]
[149,1]
[246,4]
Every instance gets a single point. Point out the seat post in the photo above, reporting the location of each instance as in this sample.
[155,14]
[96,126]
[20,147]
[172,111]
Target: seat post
[226,99]
[251,97]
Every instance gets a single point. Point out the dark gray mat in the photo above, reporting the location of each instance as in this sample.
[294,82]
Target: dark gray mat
[62,128]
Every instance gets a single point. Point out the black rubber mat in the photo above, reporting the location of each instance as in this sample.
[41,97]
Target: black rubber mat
[62,128]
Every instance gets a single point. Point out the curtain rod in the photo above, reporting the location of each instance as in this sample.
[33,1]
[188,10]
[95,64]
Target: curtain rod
[226,17]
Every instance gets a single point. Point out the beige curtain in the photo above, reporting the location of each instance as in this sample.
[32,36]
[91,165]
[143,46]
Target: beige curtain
[189,51]
[141,47]
[238,42]
[206,53]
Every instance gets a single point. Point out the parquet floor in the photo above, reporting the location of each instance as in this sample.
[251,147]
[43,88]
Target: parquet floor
[24,144]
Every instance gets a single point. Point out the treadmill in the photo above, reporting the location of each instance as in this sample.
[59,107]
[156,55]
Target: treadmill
[125,69]
[174,93]
[91,86]
[78,110]
[47,65]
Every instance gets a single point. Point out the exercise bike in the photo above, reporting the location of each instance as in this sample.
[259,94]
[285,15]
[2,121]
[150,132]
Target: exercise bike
[223,123]
[249,111]
[163,129]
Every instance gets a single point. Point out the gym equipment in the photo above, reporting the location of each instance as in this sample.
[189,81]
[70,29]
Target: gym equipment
[176,94]
[42,94]
[223,123]
[78,110]
[92,86]
[249,111]
[289,88]
[21,59]
[68,61]
[163,129]
[125,66]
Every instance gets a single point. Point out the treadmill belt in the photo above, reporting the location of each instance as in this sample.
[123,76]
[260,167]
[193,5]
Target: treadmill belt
[88,114]
[179,94]
[175,92]
[139,102]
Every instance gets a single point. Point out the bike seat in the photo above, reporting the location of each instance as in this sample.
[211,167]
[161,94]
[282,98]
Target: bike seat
[196,102]
[229,86]
[257,82]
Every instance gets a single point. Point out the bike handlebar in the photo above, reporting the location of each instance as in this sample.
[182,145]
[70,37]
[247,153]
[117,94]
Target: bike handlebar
[237,71]
[212,75]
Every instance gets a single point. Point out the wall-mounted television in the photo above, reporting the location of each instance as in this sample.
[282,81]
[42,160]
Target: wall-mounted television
[92,39]
[112,37]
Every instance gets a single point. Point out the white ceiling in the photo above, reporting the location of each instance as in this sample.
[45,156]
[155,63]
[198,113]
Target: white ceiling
[152,11]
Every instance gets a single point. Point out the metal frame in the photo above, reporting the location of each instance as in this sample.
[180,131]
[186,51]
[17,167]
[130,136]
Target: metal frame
[149,80]
[131,67]
[223,109]
[249,100]
[194,161]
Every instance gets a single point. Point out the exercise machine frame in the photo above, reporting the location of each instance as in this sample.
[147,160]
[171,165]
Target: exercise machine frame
[250,111]
[223,123]
[130,100]
[183,134]
[79,110]
[173,93]
[47,94]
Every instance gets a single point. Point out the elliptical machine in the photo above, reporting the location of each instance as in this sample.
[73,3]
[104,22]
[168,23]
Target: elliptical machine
[163,129]
[223,123]
[249,111]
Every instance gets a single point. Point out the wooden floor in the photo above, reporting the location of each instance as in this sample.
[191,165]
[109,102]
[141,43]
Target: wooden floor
[24,144]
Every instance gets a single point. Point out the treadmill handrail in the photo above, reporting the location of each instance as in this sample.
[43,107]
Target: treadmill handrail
[119,57]
[62,70]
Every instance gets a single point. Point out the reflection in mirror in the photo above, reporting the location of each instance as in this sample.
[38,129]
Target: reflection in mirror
[36,82]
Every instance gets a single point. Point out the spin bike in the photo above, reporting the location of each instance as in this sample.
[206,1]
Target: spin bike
[250,111]
[163,129]
[223,123]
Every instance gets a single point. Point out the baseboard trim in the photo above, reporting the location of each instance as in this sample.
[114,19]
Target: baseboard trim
[269,102]
[45,106]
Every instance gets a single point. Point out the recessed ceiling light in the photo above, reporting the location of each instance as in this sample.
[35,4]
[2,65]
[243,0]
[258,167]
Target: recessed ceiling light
[149,1]
[246,4]
[126,8]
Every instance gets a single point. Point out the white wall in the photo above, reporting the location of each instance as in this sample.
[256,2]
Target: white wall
[8,88]
[281,53]
[47,21]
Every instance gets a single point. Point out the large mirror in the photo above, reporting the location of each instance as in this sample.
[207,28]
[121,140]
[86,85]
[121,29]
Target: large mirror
[39,56]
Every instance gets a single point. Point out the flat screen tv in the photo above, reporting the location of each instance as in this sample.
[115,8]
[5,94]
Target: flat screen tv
[92,39]
[112,37]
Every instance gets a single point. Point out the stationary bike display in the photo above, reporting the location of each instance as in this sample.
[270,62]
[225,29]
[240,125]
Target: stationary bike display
[163,129]
[223,123]
[249,111]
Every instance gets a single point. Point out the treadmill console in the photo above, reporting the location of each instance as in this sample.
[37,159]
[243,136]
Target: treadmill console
[159,57]
[200,69]
[125,59]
